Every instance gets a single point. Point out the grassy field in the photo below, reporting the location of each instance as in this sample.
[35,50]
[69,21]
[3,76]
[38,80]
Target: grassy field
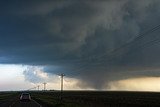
[7,95]
[89,98]
[97,99]
[52,99]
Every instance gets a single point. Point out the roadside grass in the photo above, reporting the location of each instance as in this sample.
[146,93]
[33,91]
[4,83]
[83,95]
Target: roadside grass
[97,99]
[7,98]
[48,100]
[6,95]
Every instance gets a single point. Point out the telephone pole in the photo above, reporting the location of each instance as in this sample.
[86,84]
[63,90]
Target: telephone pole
[62,75]
[38,87]
[44,86]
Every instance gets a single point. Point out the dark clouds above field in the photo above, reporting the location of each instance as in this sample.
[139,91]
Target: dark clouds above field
[94,41]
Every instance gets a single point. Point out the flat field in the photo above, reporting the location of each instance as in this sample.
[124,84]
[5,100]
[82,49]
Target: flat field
[7,98]
[82,99]
[97,99]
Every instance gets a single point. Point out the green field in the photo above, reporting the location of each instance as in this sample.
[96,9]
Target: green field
[97,99]
[87,98]
[4,96]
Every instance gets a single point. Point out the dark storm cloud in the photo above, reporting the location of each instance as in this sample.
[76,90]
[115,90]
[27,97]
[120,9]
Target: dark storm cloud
[84,39]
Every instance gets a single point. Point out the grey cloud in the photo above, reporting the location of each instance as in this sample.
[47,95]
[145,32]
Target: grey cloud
[80,37]
[32,76]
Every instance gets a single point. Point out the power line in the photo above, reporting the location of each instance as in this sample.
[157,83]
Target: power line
[138,37]
[123,47]
[32,88]
[129,44]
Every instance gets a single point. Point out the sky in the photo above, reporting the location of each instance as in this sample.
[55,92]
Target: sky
[98,45]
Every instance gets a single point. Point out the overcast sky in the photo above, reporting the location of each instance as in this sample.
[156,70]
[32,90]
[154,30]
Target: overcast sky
[99,44]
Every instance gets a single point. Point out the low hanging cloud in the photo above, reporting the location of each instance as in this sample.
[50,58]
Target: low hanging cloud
[35,74]
[95,42]
[144,83]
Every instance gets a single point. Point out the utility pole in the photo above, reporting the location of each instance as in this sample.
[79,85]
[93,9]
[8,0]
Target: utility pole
[38,87]
[44,86]
[62,75]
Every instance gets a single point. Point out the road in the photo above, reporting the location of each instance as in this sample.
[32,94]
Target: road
[31,103]
[13,101]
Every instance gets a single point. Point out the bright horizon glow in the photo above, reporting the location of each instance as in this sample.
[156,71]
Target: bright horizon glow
[12,78]
[136,84]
